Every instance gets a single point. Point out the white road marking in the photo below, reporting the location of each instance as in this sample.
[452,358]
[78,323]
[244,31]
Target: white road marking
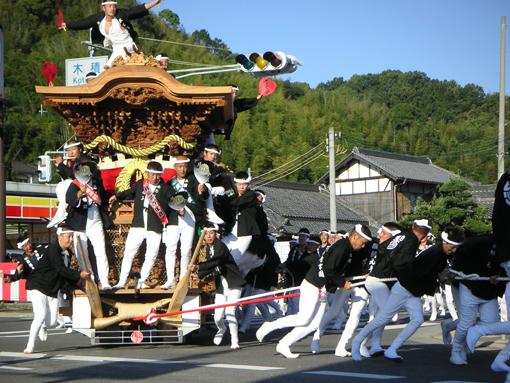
[22,355]
[103,359]
[456,381]
[355,375]
[85,358]
[15,368]
[241,367]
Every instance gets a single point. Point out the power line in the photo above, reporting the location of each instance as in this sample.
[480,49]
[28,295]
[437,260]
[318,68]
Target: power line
[287,163]
[290,170]
[185,44]
[314,158]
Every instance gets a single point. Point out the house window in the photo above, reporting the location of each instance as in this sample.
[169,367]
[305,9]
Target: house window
[372,186]
[358,187]
[384,184]
[345,188]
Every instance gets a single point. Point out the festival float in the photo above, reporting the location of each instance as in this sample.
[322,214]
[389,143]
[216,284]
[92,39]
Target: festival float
[131,113]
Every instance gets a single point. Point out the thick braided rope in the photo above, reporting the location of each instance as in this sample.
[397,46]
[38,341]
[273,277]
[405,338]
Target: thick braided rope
[140,152]
[123,181]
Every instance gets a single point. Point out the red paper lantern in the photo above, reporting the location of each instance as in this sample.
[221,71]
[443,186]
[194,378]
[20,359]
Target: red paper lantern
[49,71]
[266,86]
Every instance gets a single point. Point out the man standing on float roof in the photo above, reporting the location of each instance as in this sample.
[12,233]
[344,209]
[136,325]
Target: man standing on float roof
[113,27]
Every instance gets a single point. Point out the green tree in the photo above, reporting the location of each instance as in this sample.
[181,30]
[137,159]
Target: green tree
[452,205]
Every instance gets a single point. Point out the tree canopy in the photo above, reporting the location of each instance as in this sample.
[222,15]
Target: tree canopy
[456,126]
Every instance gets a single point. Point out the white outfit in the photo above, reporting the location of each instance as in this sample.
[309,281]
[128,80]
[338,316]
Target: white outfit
[45,310]
[470,306]
[399,297]
[312,306]
[134,240]
[185,232]
[359,301]
[238,247]
[226,314]
[379,294]
[336,305]
[118,37]
[95,233]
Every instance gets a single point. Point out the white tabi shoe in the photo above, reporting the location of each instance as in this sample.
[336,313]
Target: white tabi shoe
[342,352]
[472,337]
[43,333]
[119,286]
[142,285]
[168,285]
[234,346]
[315,346]
[376,351]
[447,337]
[105,286]
[262,332]
[355,351]
[499,366]
[28,350]
[285,351]
[363,350]
[218,337]
[458,359]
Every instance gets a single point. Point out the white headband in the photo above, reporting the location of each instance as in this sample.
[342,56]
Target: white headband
[22,243]
[67,146]
[324,231]
[62,231]
[212,151]
[154,171]
[392,232]
[181,161]
[109,3]
[214,227]
[444,237]
[422,223]
[358,230]
[242,180]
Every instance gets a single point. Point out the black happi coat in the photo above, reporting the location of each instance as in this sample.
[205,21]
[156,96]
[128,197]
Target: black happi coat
[123,15]
[77,208]
[477,256]
[136,193]
[196,201]
[220,263]
[501,218]
[402,248]
[51,273]
[244,209]
[298,263]
[330,269]
[421,273]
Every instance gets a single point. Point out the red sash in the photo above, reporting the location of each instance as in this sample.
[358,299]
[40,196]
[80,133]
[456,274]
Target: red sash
[91,193]
[154,204]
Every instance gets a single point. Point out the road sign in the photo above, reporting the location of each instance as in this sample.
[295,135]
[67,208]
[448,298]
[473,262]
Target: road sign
[77,69]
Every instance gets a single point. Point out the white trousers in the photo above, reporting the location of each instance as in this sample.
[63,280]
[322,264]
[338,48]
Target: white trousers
[399,297]
[336,305]
[312,305]
[450,301]
[470,306]
[227,314]
[238,247]
[185,231]
[94,233]
[379,294]
[359,298]
[45,310]
[134,240]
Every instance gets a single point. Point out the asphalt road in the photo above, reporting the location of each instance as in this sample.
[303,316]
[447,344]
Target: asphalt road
[71,358]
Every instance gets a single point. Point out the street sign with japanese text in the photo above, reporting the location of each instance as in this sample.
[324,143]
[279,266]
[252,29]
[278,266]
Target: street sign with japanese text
[77,69]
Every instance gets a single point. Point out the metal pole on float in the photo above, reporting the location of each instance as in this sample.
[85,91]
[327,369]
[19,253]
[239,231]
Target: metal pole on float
[332,180]
[501,124]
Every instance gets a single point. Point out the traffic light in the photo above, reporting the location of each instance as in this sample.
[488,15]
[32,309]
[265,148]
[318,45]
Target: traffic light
[269,64]
[44,168]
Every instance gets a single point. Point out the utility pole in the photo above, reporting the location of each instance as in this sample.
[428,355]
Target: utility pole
[332,180]
[501,124]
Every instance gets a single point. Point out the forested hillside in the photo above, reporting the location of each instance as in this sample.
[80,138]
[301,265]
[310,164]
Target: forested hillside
[406,112]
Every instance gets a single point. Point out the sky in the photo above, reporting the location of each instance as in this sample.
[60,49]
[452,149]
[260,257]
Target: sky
[446,39]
